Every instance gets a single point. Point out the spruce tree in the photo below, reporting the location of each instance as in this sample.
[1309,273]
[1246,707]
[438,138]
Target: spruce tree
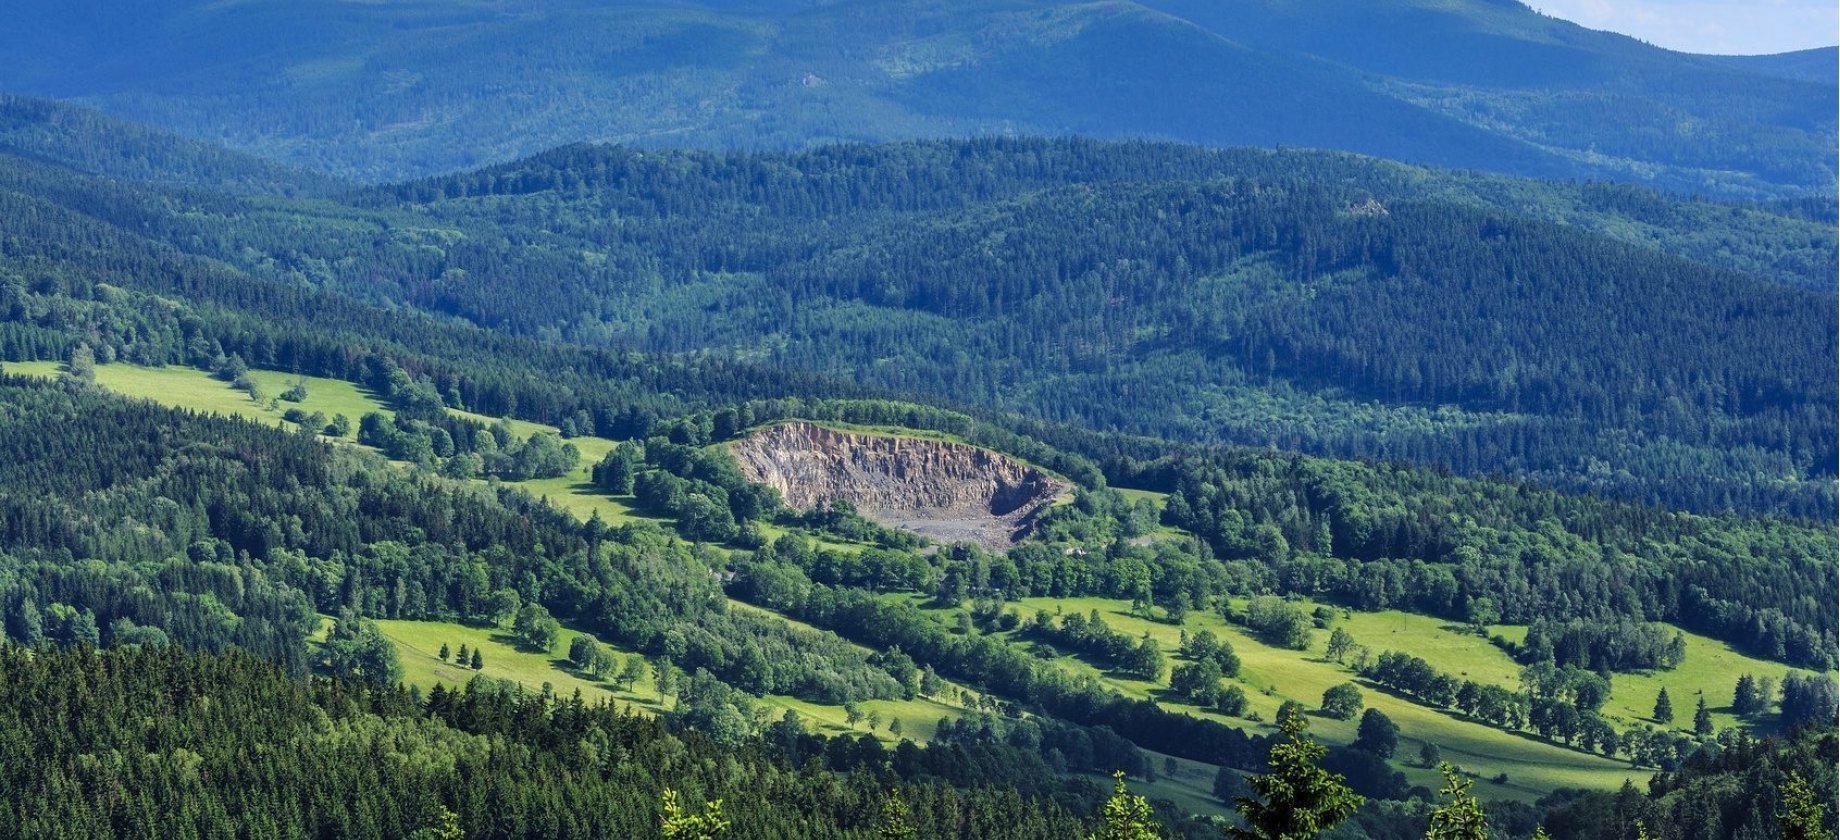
[1664,708]
[896,821]
[445,652]
[1702,719]
[1744,696]
[1297,798]
[1126,816]
[676,824]
[479,662]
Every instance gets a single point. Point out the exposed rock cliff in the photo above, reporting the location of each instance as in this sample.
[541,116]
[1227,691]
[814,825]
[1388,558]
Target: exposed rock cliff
[947,491]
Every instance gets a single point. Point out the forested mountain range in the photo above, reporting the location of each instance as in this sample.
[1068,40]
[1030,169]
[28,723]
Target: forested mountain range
[1816,65]
[1649,347]
[1368,477]
[388,90]
[95,143]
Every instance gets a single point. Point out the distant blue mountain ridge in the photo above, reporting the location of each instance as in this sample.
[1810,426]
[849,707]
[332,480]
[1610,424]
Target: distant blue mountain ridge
[383,91]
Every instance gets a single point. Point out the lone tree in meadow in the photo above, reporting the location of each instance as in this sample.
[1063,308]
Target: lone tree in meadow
[1343,701]
[81,366]
[1702,719]
[1744,699]
[1341,642]
[1664,708]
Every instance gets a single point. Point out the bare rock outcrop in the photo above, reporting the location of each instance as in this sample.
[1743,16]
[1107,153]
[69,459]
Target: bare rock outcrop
[947,491]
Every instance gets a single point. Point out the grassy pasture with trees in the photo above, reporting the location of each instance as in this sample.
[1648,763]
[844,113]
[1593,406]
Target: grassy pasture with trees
[1272,675]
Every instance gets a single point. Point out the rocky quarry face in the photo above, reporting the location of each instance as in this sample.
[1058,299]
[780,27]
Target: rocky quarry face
[947,491]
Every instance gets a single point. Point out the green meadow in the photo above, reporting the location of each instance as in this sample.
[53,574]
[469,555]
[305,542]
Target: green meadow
[1271,675]
[184,387]
[418,645]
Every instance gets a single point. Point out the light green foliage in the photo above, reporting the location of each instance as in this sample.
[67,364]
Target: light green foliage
[897,820]
[677,824]
[446,827]
[1341,643]
[631,673]
[536,627]
[1126,816]
[1458,815]
[1279,622]
[82,365]
[1803,815]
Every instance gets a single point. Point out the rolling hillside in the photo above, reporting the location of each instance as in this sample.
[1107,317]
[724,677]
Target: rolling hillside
[1633,345]
[381,91]
[924,420]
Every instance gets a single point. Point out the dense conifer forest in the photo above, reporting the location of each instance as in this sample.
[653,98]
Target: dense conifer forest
[1208,297]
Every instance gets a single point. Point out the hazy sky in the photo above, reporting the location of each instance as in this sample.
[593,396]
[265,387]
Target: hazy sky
[1731,27]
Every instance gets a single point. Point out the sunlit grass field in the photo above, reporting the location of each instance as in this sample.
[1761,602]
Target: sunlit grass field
[1271,675]
[418,645]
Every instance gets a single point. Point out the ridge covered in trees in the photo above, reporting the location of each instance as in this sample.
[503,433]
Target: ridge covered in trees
[1309,301]
[672,301]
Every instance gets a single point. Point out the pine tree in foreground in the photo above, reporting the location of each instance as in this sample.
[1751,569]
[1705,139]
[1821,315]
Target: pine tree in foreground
[676,824]
[1297,798]
[897,820]
[1126,816]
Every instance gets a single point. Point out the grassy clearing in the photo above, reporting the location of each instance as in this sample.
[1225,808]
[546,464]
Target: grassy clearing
[1711,668]
[327,396]
[1152,496]
[823,541]
[919,717]
[1191,787]
[1272,675]
[418,645]
[183,387]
